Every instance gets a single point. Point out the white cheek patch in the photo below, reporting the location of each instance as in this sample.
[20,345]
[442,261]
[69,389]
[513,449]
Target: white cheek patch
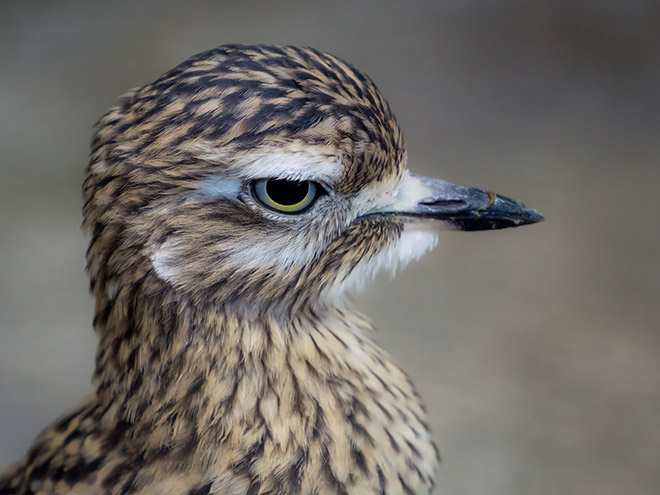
[281,253]
[164,262]
[412,245]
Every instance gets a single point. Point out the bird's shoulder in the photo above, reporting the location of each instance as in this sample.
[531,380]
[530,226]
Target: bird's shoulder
[76,456]
[65,453]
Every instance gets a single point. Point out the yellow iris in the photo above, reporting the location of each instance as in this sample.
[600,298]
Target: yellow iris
[286,196]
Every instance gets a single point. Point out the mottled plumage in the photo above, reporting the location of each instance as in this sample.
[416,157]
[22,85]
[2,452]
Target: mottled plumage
[228,361]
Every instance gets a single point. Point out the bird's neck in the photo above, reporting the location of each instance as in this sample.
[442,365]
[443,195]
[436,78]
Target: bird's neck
[290,403]
[173,373]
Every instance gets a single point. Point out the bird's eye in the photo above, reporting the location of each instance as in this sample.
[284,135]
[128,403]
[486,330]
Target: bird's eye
[286,196]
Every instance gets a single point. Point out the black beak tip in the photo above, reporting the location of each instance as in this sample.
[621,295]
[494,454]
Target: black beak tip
[533,216]
[504,213]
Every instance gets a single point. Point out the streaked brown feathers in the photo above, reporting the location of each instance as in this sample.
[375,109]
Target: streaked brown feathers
[228,363]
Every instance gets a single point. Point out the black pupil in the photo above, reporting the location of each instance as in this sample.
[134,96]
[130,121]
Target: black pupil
[287,192]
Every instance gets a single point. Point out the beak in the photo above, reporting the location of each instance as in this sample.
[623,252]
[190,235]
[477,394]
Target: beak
[459,207]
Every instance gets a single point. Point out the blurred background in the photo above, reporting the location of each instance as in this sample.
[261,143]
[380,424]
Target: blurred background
[537,349]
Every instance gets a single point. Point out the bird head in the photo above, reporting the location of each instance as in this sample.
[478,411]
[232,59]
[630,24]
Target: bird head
[262,178]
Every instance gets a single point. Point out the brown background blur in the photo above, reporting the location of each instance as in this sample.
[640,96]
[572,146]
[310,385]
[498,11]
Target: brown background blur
[537,349]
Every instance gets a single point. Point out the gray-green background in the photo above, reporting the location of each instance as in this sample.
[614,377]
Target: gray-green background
[537,349]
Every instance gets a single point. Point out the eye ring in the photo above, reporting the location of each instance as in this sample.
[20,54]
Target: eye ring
[286,196]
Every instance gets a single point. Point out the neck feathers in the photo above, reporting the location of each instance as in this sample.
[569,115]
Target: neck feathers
[297,403]
[169,367]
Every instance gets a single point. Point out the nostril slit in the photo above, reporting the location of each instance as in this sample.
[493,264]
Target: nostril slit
[443,202]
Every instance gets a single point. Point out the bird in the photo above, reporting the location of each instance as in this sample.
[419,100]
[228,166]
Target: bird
[231,205]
